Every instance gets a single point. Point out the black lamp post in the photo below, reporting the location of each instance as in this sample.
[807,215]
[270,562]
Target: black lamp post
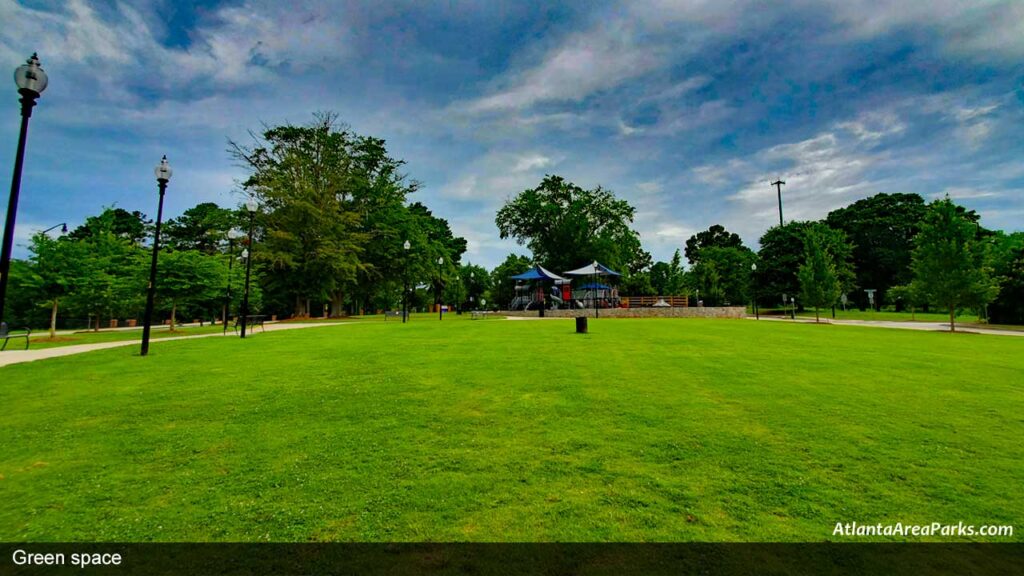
[233,235]
[163,175]
[753,291]
[440,279]
[251,206]
[31,81]
[405,283]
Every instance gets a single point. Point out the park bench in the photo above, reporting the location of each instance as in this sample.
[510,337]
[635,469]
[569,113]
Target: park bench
[251,322]
[392,313]
[479,314]
[6,335]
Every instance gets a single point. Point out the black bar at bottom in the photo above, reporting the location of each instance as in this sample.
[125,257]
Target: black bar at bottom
[555,559]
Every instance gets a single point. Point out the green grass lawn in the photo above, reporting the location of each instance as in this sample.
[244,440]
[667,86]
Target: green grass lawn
[666,430]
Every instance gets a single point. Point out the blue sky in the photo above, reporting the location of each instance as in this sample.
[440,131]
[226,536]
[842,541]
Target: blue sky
[686,109]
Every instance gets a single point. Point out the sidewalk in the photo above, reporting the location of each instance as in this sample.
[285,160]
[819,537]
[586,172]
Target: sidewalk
[904,325]
[9,357]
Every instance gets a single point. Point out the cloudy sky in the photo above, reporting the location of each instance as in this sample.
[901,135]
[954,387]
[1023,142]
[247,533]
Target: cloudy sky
[688,109]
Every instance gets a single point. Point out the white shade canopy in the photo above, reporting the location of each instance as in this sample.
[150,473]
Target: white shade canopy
[163,170]
[30,76]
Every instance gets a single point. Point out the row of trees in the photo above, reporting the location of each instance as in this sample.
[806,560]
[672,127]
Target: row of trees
[335,213]
[911,254]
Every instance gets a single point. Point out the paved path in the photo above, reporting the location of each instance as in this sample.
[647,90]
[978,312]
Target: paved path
[926,326]
[9,357]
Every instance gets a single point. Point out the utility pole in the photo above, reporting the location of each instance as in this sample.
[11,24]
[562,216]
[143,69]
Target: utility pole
[778,185]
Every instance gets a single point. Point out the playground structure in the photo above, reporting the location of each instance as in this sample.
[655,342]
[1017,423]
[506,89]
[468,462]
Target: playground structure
[541,289]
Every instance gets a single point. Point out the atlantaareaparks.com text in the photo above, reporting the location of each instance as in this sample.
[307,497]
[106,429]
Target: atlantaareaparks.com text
[933,529]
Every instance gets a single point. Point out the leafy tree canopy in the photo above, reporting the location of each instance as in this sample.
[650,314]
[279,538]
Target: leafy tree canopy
[566,226]
[715,236]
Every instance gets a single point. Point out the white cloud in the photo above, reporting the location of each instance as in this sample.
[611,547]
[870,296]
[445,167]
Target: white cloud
[585,63]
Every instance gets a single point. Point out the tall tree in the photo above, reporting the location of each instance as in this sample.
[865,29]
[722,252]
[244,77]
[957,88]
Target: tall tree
[56,266]
[782,253]
[502,285]
[132,226]
[668,278]
[722,274]
[715,236]
[566,226]
[1008,267]
[950,262]
[881,229]
[819,284]
[311,241]
[202,227]
[189,278]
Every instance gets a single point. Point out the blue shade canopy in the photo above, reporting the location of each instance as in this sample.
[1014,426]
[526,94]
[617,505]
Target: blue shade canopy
[593,269]
[537,273]
[594,286]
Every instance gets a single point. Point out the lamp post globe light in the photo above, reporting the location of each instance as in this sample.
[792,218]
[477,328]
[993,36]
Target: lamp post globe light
[163,176]
[251,206]
[63,228]
[31,81]
[233,234]
[440,309]
[405,282]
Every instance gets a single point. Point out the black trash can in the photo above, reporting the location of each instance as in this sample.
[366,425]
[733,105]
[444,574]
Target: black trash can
[581,324]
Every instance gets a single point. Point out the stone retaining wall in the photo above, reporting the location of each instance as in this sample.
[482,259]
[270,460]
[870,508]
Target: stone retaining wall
[691,312]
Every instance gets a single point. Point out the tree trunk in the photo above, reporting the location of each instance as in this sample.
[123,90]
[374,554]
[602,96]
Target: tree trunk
[174,309]
[97,328]
[298,307]
[952,319]
[913,316]
[817,320]
[337,304]
[53,320]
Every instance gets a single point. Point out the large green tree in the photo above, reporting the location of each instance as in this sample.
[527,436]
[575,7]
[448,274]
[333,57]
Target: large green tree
[950,262]
[722,274]
[191,280]
[56,267]
[502,285]
[819,284]
[668,278]
[1008,268]
[881,229]
[566,226]
[311,241]
[782,253]
[202,227]
[715,236]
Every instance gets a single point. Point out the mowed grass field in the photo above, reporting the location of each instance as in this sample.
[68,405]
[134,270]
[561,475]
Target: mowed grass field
[643,430]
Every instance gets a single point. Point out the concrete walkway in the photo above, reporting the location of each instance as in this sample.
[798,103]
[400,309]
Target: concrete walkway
[905,325]
[9,357]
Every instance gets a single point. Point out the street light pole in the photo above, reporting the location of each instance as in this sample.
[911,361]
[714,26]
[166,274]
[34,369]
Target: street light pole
[63,228]
[405,282]
[233,235]
[31,81]
[251,206]
[440,278]
[163,175]
[753,282]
